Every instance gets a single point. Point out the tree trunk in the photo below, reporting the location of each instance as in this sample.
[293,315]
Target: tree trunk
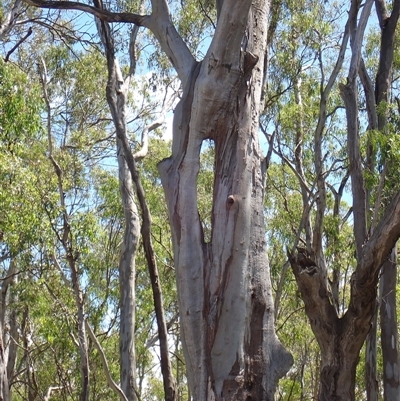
[225,296]
[389,332]
[116,93]
[340,339]
[82,338]
[8,317]
[371,380]
[4,389]
[127,272]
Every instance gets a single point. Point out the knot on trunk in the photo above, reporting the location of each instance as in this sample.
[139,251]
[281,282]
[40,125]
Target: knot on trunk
[230,200]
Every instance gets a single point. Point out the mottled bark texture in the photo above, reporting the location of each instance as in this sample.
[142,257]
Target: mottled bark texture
[225,296]
[116,97]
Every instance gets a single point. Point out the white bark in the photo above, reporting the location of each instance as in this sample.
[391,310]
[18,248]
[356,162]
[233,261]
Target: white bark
[117,91]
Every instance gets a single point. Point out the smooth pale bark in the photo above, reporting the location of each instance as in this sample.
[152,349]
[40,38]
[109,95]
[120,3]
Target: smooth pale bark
[8,328]
[225,296]
[166,369]
[9,319]
[389,331]
[82,338]
[117,92]
[127,271]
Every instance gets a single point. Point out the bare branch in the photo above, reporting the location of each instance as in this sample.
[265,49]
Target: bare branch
[159,22]
[170,41]
[113,385]
[140,154]
[108,16]
[152,341]
[10,19]
[383,238]
[29,33]
[358,39]
[50,390]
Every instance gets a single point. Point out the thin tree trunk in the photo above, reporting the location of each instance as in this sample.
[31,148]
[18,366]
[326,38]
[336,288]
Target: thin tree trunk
[389,330]
[166,368]
[71,254]
[8,317]
[127,271]
[388,318]
[4,388]
[117,91]
[371,380]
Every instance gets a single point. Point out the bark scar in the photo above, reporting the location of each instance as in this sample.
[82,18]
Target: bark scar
[231,200]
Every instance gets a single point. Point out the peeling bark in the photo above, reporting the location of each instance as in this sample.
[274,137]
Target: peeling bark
[225,295]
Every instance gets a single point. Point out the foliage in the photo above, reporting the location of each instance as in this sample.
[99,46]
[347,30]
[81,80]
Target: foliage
[301,58]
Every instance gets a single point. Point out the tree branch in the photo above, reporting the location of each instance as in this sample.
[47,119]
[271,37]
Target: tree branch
[10,19]
[29,33]
[383,239]
[170,41]
[108,16]
[113,385]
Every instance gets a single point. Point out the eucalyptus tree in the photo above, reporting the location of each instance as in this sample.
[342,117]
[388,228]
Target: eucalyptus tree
[117,97]
[379,118]
[306,144]
[19,124]
[224,290]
